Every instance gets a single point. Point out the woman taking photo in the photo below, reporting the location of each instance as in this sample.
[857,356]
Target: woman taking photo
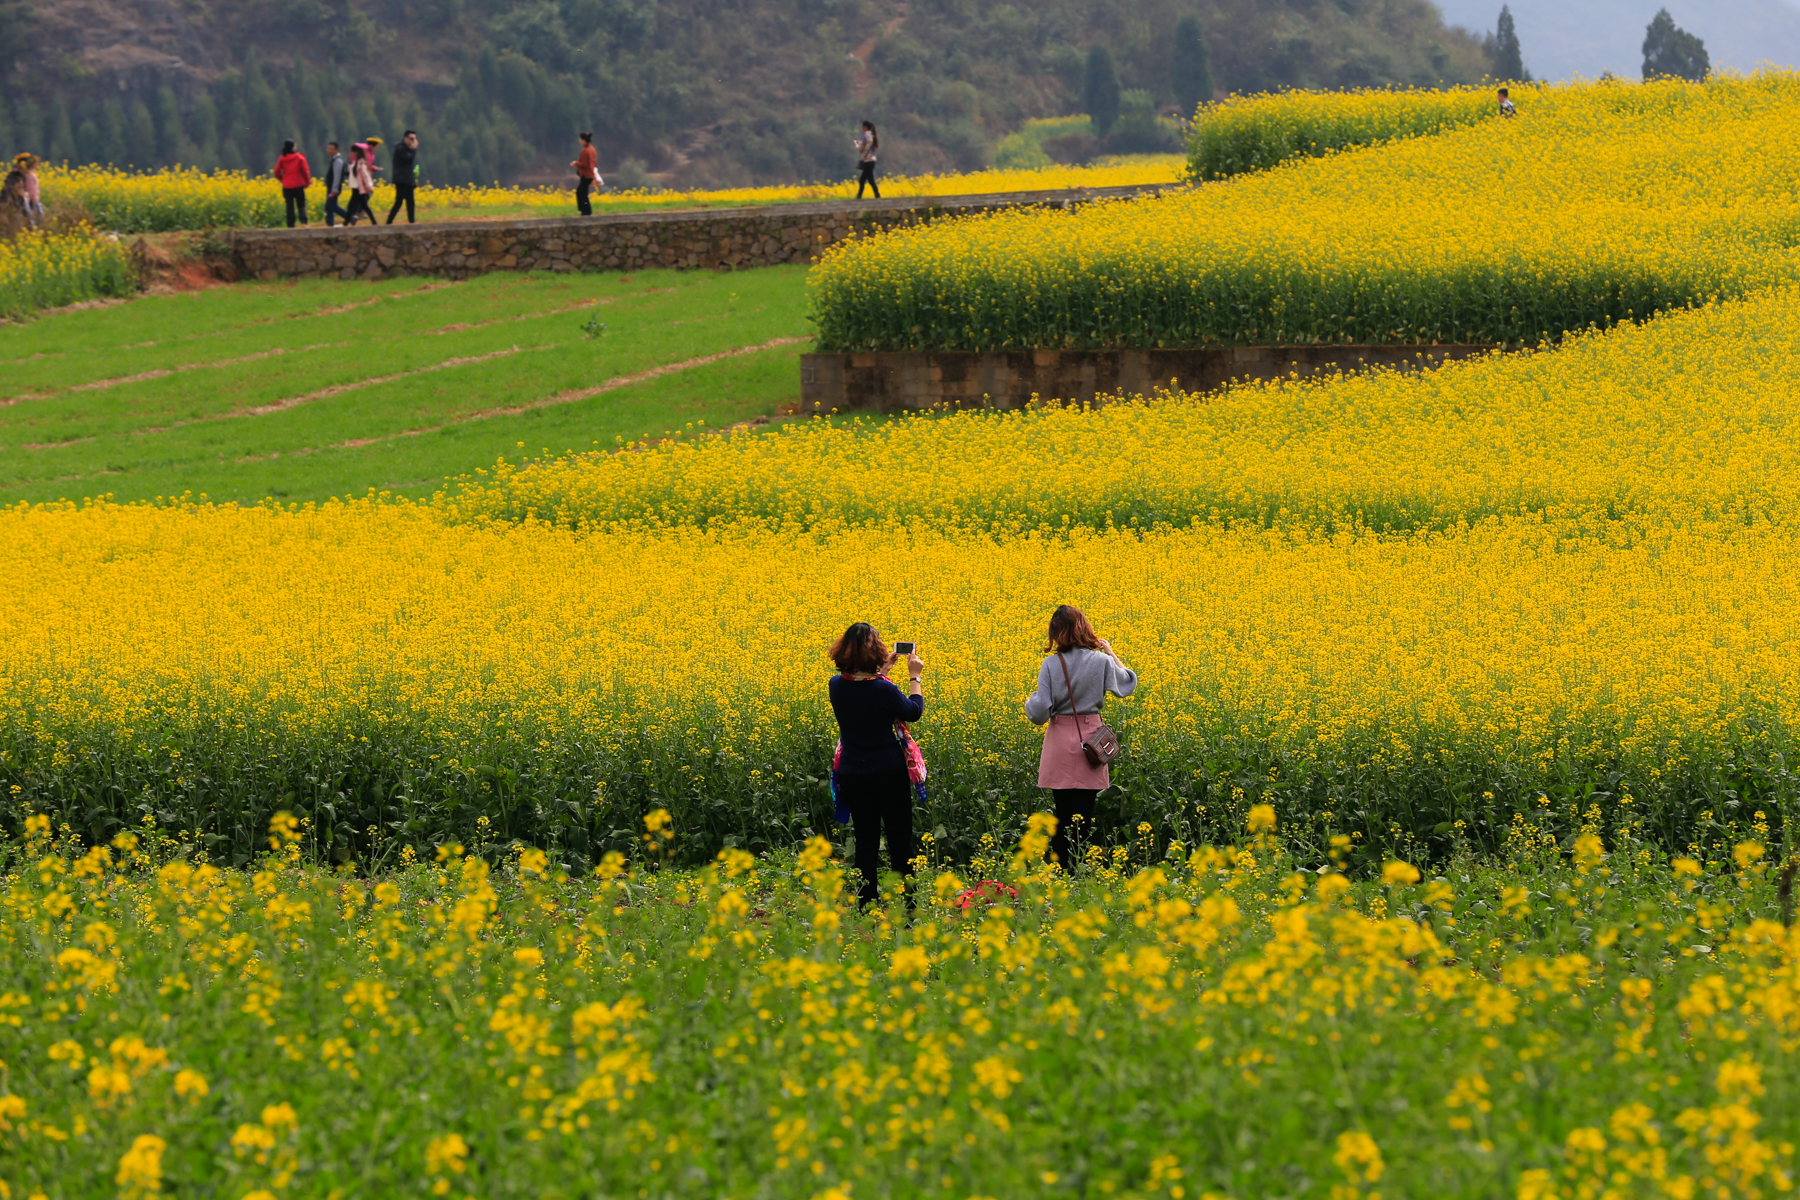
[872,778]
[1080,668]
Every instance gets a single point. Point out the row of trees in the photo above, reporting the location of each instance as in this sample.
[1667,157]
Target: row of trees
[708,91]
[236,124]
[1670,52]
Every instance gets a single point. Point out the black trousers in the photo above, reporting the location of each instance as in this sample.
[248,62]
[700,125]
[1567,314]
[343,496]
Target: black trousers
[866,175]
[878,802]
[403,194]
[581,197]
[1070,803]
[359,204]
[296,204]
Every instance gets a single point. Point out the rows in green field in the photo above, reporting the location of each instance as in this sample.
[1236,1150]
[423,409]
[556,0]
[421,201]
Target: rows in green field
[185,390]
[719,393]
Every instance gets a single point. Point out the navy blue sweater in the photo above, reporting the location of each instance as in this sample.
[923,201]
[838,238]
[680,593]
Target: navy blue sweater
[866,711]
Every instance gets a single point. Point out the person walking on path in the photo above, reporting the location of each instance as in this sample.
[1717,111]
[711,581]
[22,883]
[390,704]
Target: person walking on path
[294,174]
[867,143]
[337,172]
[587,170]
[871,768]
[1078,670]
[405,155]
[362,185]
[30,199]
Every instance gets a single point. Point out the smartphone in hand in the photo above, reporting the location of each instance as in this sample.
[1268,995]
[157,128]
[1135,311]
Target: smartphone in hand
[902,649]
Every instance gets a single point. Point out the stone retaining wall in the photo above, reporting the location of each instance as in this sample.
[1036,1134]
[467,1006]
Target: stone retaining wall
[717,239]
[899,380]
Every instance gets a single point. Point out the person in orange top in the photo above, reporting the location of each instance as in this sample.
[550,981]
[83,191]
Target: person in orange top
[587,170]
[293,174]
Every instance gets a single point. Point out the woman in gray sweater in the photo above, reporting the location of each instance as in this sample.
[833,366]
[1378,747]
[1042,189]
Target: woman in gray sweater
[1071,704]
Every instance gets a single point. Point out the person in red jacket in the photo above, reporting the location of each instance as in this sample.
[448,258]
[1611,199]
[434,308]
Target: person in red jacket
[587,172]
[293,174]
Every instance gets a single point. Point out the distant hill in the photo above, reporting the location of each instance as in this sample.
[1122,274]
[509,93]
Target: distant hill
[1566,38]
[692,91]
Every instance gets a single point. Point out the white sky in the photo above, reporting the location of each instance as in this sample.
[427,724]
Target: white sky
[1563,38]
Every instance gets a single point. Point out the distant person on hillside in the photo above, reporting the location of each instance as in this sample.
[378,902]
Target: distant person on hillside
[337,173]
[362,185]
[294,175]
[587,172]
[405,155]
[1506,105]
[867,143]
[29,197]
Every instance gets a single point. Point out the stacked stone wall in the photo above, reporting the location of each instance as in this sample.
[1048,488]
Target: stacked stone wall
[720,239]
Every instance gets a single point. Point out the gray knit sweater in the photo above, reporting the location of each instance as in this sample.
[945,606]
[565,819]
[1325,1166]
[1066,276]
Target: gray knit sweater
[1093,672]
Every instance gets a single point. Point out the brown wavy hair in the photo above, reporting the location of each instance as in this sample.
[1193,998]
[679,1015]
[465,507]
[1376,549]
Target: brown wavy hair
[860,651]
[1069,630]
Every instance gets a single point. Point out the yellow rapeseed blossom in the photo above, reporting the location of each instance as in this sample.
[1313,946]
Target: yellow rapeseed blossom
[186,198]
[42,270]
[1605,204]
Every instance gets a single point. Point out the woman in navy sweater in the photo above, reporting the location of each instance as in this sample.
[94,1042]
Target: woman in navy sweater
[872,772]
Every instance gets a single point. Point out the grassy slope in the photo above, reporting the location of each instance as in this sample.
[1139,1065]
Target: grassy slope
[308,390]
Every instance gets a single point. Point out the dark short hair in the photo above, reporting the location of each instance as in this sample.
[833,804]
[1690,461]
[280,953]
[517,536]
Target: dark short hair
[1503,91]
[860,650]
[333,145]
[1069,630]
[410,133]
[586,136]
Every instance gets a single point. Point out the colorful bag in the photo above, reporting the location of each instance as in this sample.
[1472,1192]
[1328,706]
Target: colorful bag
[839,806]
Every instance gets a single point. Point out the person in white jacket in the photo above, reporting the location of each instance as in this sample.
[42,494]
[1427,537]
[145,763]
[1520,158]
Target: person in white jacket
[1079,668]
[867,143]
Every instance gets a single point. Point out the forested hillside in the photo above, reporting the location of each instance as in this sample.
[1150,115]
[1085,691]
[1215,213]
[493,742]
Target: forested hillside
[696,91]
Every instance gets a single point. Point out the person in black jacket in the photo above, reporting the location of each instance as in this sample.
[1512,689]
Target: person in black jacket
[336,172]
[405,154]
[871,771]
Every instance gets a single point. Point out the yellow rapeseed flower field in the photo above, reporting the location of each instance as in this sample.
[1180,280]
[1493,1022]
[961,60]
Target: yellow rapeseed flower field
[1252,133]
[44,269]
[384,668]
[152,201]
[1690,416]
[1213,1022]
[1601,203]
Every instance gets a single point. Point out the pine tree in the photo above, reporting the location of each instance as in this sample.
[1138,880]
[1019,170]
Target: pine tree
[28,128]
[113,129]
[59,138]
[1672,52]
[204,130]
[1509,62]
[86,142]
[1100,90]
[1190,66]
[169,133]
[140,137]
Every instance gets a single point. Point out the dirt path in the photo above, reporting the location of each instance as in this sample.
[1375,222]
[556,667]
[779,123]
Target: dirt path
[865,79]
[565,397]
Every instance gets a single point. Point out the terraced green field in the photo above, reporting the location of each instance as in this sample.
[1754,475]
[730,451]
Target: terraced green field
[309,390]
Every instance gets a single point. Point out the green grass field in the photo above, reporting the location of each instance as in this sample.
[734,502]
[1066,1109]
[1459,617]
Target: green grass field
[308,390]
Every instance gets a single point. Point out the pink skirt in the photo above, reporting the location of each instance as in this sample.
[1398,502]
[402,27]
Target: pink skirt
[1063,764]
